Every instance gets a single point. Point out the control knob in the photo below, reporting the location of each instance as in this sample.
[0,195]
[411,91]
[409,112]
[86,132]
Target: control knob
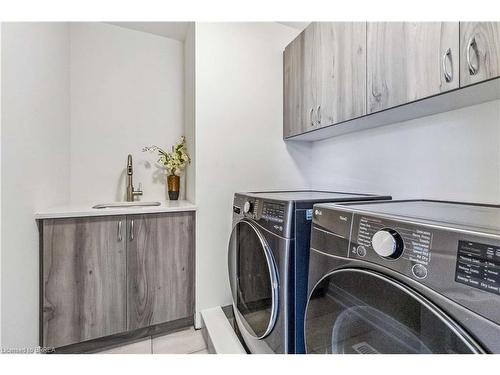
[388,243]
[247,207]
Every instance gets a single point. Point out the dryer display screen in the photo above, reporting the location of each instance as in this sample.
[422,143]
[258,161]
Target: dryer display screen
[478,265]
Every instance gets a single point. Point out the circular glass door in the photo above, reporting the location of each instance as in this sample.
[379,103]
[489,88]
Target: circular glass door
[363,312]
[253,279]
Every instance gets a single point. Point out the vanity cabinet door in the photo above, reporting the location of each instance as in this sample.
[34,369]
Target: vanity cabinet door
[407,61]
[84,281]
[479,51]
[160,268]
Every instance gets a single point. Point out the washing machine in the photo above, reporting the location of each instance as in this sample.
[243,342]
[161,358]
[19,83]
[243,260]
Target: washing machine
[268,263]
[413,276]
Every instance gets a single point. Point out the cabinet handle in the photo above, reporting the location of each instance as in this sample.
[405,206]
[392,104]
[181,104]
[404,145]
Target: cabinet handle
[318,113]
[448,76]
[131,230]
[311,116]
[472,45]
[119,231]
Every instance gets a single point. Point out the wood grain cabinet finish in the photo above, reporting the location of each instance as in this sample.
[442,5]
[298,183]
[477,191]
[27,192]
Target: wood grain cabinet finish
[293,84]
[342,65]
[409,61]
[84,279]
[107,275]
[160,268]
[479,51]
[324,76]
[311,90]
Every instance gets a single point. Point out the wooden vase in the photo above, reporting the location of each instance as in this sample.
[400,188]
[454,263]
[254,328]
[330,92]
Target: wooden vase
[174,184]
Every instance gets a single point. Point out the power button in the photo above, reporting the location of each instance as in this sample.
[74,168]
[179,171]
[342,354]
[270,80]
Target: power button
[419,271]
[361,251]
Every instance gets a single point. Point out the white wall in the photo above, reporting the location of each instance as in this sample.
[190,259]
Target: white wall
[239,144]
[34,161]
[126,92]
[189,110]
[0,185]
[451,156]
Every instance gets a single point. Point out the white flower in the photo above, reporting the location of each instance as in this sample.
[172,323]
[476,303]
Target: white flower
[174,161]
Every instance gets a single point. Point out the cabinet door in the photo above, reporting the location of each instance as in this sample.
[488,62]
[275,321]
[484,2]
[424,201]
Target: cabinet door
[407,61]
[293,86]
[342,71]
[479,51]
[160,268]
[312,77]
[84,282]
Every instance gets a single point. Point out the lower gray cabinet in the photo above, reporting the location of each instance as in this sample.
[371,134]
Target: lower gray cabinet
[106,275]
[84,280]
[160,268]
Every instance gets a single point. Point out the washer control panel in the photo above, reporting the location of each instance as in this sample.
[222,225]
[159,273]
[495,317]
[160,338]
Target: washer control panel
[460,264]
[404,247]
[478,265]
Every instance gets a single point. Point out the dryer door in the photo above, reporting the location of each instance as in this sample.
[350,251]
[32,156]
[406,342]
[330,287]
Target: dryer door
[363,312]
[253,279]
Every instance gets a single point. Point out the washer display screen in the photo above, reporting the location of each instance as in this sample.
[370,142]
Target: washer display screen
[478,265]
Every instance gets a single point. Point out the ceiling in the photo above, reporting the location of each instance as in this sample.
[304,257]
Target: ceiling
[178,30]
[172,30]
[296,25]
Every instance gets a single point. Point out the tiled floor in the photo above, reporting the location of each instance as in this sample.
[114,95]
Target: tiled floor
[188,341]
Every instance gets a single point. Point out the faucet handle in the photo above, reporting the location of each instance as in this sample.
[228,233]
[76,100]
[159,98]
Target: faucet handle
[139,190]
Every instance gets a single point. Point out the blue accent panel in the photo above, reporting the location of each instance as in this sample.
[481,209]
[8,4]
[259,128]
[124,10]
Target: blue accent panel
[309,214]
[302,247]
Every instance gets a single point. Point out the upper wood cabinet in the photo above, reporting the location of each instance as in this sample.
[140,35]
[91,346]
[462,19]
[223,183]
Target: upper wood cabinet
[312,77]
[160,268]
[324,76]
[342,72]
[349,74]
[479,51]
[84,279]
[409,61]
[293,86]
[108,275]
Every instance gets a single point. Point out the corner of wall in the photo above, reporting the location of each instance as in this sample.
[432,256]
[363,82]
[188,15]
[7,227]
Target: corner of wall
[1,115]
[189,110]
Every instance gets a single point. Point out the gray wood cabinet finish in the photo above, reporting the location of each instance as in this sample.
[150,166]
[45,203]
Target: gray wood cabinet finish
[342,71]
[408,61]
[324,76]
[293,84]
[312,77]
[479,51]
[160,268]
[84,280]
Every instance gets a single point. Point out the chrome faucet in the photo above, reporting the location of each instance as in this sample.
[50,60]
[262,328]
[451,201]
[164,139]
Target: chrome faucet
[131,192]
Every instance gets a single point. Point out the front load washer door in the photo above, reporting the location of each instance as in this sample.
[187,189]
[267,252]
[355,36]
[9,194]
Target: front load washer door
[363,312]
[253,279]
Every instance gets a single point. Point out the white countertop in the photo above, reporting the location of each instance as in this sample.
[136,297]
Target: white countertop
[85,209]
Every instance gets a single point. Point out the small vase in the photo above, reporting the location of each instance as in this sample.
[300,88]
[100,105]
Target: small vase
[174,183]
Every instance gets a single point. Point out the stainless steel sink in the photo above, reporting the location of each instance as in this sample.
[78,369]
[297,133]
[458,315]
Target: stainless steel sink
[126,205]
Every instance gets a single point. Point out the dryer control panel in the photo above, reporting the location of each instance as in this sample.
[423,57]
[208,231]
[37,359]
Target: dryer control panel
[272,215]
